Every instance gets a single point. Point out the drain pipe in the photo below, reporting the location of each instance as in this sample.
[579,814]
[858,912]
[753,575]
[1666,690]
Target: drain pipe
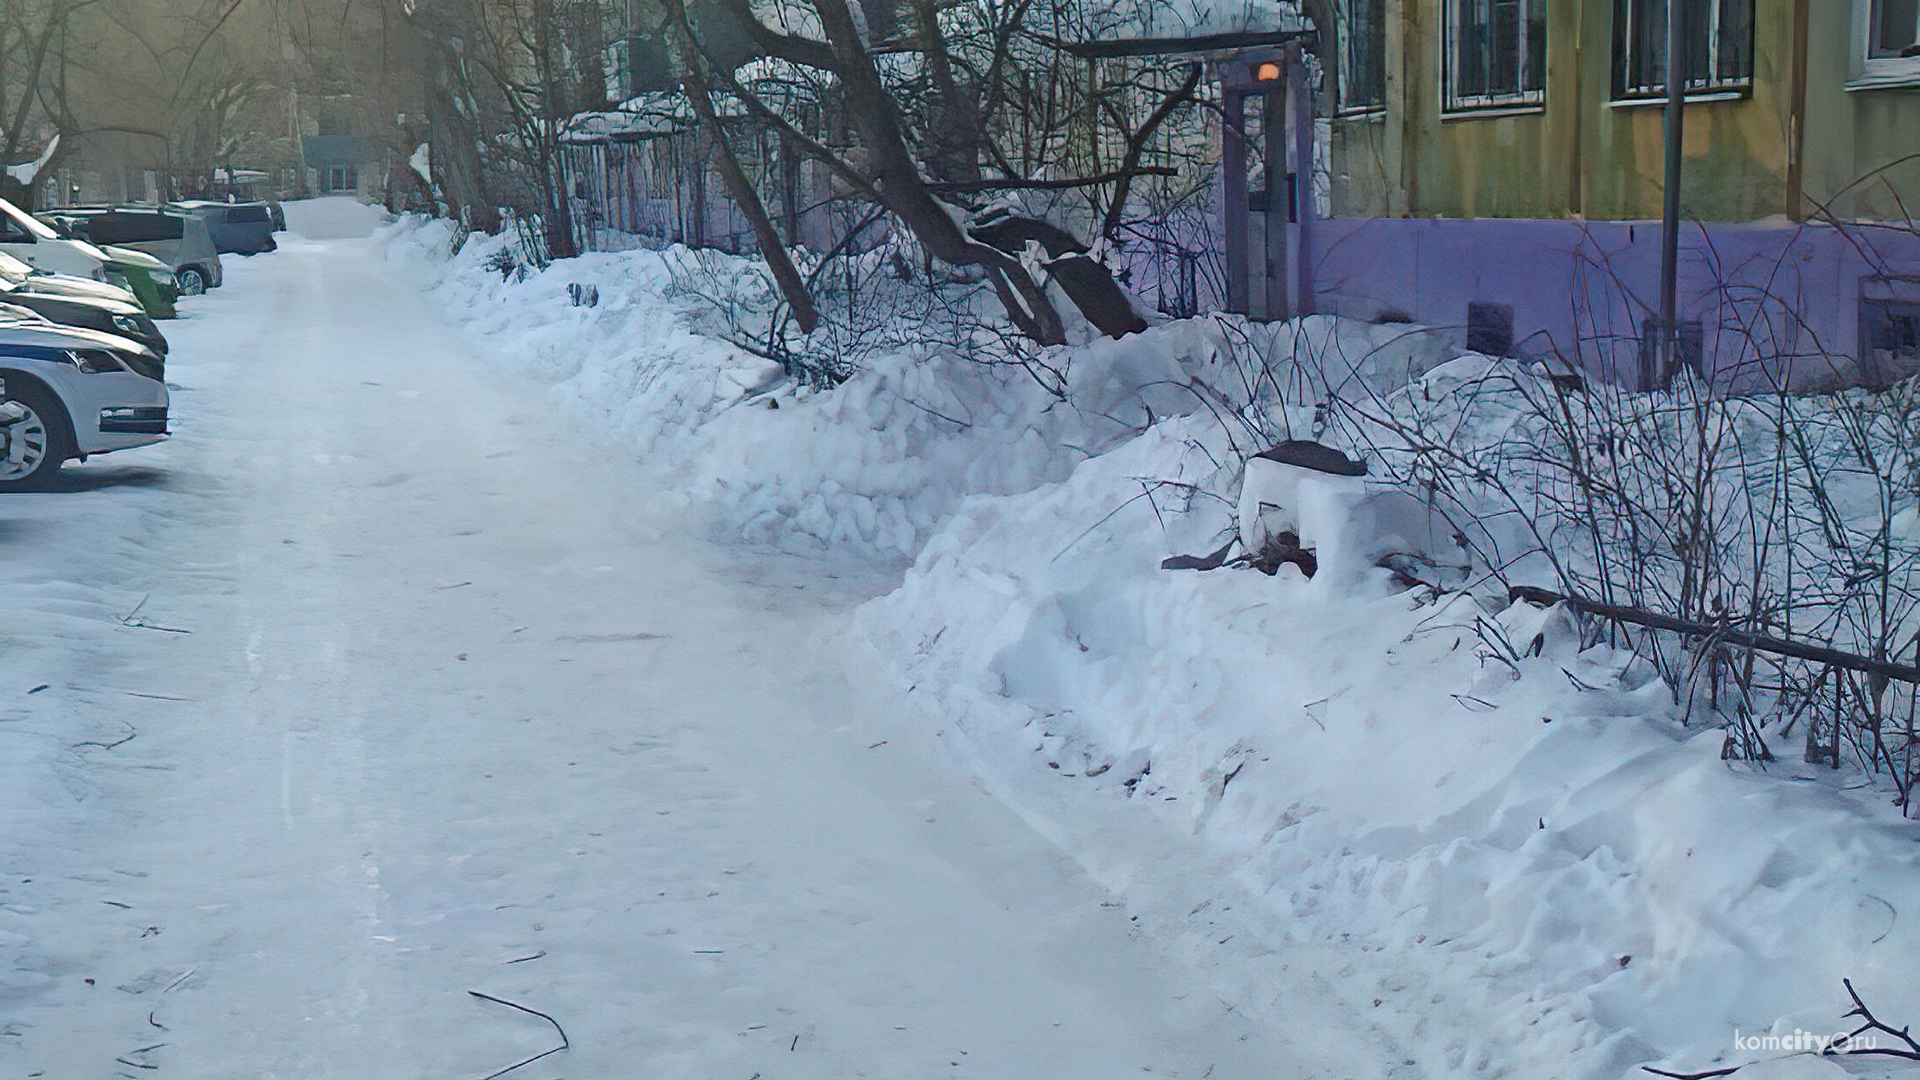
[1669,328]
[1797,118]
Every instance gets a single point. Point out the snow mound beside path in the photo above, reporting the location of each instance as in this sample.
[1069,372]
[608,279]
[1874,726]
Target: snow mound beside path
[869,467]
[1574,882]
[335,217]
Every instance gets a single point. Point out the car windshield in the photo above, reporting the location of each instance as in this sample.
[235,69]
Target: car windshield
[34,226]
[124,227]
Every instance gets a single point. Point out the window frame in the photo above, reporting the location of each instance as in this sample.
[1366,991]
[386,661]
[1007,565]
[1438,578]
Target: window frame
[1347,106]
[1713,88]
[1455,103]
[124,228]
[1887,300]
[1870,71]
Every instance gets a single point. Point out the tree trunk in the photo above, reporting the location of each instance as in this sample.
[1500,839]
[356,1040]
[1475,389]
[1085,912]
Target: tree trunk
[793,288]
[897,178]
[740,190]
[453,140]
[17,193]
[557,214]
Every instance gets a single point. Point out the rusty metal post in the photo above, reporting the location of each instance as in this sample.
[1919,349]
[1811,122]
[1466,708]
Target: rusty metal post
[1669,328]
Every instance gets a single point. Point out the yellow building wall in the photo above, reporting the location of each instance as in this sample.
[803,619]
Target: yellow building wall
[1852,134]
[1581,155]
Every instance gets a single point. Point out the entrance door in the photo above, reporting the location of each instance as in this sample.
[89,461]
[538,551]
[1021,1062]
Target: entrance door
[1267,151]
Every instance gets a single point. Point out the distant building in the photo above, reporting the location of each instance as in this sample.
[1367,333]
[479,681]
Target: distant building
[335,156]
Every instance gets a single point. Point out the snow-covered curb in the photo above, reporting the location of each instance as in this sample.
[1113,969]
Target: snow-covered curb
[1589,873]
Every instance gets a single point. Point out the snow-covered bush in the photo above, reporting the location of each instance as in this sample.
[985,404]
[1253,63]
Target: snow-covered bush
[1786,516]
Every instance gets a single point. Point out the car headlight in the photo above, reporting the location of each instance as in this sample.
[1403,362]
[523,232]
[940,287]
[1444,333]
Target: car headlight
[161,275]
[95,361]
[128,325]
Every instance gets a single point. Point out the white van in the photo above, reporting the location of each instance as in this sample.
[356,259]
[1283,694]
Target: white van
[28,239]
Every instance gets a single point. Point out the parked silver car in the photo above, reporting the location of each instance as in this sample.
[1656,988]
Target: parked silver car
[178,238]
[68,393]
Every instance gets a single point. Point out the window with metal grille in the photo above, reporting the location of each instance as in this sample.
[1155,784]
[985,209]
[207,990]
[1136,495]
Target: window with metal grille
[1363,55]
[1717,47]
[1495,53]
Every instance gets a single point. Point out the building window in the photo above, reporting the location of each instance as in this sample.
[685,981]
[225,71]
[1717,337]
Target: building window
[1718,44]
[1887,43]
[1889,329]
[1495,53]
[1894,30]
[1363,56]
[343,178]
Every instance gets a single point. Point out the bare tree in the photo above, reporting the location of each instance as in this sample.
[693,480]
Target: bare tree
[505,77]
[928,139]
[29,33]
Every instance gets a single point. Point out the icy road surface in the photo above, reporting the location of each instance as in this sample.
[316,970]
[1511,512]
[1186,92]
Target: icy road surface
[431,695]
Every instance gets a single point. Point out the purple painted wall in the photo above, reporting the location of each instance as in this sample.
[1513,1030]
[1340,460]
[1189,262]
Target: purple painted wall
[1774,300]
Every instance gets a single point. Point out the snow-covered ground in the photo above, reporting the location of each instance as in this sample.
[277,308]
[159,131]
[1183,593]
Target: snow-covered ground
[384,682]
[1523,869]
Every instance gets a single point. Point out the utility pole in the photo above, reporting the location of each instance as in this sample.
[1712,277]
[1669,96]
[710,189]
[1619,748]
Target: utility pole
[1669,328]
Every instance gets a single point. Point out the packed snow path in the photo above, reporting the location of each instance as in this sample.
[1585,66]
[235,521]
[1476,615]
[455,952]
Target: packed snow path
[460,702]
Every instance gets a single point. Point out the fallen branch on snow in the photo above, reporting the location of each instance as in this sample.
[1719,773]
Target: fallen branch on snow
[132,619]
[1871,1023]
[1868,1022]
[564,1044]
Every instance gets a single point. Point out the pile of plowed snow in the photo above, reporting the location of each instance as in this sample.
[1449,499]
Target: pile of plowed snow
[335,217]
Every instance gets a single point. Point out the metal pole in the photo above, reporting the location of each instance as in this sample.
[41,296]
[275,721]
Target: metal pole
[1669,328]
[1273,139]
[1233,198]
[1303,164]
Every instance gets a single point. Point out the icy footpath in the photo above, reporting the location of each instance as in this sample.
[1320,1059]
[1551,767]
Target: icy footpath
[1569,882]
[65,612]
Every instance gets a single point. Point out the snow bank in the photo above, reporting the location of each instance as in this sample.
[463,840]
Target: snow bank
[871,466]
[1450,782]
[333,217]
[1584,866]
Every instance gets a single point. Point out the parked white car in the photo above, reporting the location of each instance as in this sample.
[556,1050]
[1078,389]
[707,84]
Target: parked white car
[72,393]
[15,272]
[28,239]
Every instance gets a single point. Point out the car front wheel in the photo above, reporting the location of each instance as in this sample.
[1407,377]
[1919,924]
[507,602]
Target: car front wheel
[191,281]
[32,439]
